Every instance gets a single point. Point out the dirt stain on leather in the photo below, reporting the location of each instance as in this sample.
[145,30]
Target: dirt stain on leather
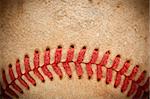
[90,1]
[119,4]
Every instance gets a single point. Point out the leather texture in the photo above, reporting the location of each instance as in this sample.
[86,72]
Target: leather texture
[120,26]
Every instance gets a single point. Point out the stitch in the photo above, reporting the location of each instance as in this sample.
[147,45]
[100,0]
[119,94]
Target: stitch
[5,95]
[12,77]
[117,80]
[47,62]
[121,72]
[132,89]
[79,61]
[38,74]
[36,59]
[141,89]
[18,70]
[26,63]
[146,85]
[124,68]
[92,61]
[30,79]
[47,72]
[94,56]
[9,90]
[102,63]
[108,75]
[136,89]
[105,58]
[27,70]
[4,77]
[81,55]
[138,93]
[23,83]
[128,78]
[116,62]
[134,72]
[67,69]
[58,55]
[110,70]
[16,87]
[141,77]
[36,65]
[89,70]
[125,84]
[47,56]
[70,55]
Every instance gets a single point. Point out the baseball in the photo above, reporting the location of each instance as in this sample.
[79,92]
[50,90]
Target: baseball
[74,49]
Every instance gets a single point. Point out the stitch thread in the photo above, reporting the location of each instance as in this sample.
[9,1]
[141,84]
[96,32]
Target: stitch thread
[5,95]
[136,90]
[36,65]
[18,69]
[57,60]
[79,61]
[92,61]
[9,90]
[102,63]
[12,77]
[110,70]
[47,62]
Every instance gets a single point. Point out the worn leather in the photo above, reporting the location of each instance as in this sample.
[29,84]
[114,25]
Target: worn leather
[120,26]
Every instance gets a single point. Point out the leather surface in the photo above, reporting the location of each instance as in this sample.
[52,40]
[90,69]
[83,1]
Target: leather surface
[120,26]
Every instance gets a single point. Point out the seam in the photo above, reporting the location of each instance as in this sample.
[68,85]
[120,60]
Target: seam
[137,89]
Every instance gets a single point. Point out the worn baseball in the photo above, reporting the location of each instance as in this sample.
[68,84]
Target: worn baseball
[74,49]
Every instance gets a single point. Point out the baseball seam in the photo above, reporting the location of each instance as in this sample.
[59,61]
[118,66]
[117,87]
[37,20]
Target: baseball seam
[136,90]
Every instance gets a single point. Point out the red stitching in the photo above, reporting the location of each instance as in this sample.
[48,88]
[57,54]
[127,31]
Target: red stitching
[4,94]
[47,62]
[110,70]
[79,61]
[132,89]
[18,69]
[141,77]
[12,77]
[92,61]
[57,60]
[7,89]
[136,90]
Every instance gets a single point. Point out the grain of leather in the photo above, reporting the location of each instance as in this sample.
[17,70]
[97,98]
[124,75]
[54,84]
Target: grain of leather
[118,26]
